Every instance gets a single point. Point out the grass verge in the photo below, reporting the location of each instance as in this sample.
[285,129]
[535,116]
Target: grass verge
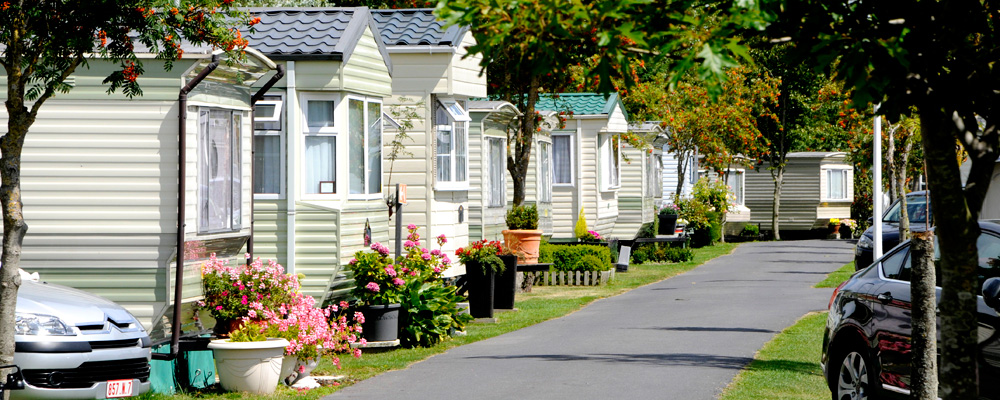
[787,367]
[543,303]
[837,277]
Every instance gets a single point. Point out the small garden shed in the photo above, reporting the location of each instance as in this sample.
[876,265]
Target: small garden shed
[586,160]
[818,186]
[318,142]
[433,83]
[100,180]
[642,180]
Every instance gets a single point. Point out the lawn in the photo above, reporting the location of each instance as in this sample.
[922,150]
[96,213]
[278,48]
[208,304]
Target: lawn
[543,303]
[837,277]
[787,367]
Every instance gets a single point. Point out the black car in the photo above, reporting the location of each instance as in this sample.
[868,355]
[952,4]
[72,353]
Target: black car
[866,344]
[917,211]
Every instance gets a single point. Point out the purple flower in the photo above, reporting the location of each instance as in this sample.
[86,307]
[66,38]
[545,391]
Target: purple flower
[372,286]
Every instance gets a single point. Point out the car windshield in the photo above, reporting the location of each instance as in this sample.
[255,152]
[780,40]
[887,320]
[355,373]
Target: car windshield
[916,210]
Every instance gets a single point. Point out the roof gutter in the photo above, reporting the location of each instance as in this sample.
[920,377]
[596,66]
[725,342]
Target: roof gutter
[253,104]
[175,328]
[422,49]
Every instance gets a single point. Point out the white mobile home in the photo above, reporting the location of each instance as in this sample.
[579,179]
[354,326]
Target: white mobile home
[488,194]
[318,185]
[586,160]
[642,180]
[818,186]
[435,80]
[100,180]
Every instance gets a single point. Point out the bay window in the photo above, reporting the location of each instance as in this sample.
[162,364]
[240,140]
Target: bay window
[269,145]
[451,123]
[219,170]
[365,155]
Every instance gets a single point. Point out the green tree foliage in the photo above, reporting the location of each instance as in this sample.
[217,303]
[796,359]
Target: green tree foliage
[44,42]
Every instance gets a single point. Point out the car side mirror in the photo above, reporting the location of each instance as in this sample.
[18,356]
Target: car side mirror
[871,220]
[991,293]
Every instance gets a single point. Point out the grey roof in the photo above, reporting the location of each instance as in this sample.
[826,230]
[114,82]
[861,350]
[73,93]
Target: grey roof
[308,33]
[416,27]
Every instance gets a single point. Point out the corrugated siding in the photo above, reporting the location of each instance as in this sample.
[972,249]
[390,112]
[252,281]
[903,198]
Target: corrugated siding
[631,211]
[136,289]
[670,176]
[366,72]
[420,73]
[601,207]
[318,75]
[616,121]
[800,194]
[316,247]
[156,82]
[270,234]
[465,73]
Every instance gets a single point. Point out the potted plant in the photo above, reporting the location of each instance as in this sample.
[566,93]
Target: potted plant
[590,237]
[249,361]
[378,288]
[835,227]
[505,282]
[668,219]
[240,292]
[522,236]
[482,262]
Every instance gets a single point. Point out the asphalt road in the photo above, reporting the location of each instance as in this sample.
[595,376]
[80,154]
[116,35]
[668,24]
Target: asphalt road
[683,338]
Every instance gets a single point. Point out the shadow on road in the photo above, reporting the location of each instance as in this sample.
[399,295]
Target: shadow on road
[706,329]
[682,359]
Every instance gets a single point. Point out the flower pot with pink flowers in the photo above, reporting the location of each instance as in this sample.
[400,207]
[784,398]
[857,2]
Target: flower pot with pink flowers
[378,289]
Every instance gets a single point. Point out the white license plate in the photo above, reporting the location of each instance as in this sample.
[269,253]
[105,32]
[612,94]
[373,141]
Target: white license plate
[119,388]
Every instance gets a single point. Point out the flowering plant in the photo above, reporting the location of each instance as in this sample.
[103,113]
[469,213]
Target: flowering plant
[590,236]
[850,223]
[670,209]
[377,282]
[483,252]
[834,221]
[418,260]
[244,291]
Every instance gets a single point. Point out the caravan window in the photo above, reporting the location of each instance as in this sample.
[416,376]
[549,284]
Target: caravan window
[496,182]
[451,125]
[219,170]
[562,159]
[269,145]
[545,172]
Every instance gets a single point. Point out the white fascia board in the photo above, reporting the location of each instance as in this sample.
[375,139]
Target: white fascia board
[423,49]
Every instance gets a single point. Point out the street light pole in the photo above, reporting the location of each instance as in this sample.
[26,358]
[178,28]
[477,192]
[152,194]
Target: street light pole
[877,187]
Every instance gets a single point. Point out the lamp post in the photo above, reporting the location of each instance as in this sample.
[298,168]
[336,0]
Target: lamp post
[877,187]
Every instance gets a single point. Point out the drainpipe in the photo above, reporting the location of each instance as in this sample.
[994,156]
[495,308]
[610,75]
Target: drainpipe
[175,328]
[253,104]
[292,143]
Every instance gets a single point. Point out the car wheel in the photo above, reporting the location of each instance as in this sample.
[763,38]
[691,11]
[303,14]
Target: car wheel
[854,378]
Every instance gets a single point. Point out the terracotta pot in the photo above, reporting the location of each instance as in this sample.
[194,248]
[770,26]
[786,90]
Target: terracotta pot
[524,244]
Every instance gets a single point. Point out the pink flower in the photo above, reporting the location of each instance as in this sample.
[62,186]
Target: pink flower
[442,240]
[435,252]
[218,308]
[411,227]
[409,243]
[437,270]
[426,256]
[372,286]
[398,282]
[244,300]
[390,271]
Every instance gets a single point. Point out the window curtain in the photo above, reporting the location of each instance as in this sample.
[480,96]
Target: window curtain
[320,113]
[835,184]
[374,148]
[320,162]
[735,182]
[356,154]
[216,170]
[545,189]
[561,159]
[497,184]
[461,153]
[444,155]
[267,164]
[236,180]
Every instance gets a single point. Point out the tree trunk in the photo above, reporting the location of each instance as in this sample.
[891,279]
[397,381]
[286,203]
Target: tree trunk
[681,160]
[14,227]
[957,233]
[891,156]
[522,142]
[778,175]
[923,380]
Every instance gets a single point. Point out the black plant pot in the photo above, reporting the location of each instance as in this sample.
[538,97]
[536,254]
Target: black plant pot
[505,284]
[381,322]
[480,290]
[668,224]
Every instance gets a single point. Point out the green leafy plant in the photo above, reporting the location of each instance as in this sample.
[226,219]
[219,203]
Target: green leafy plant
[522,217]
[430,313]
[669,209]
[483,253]
[590,262]
[581,225]
[545,251]
[248,332]
[565,258]
[750,231]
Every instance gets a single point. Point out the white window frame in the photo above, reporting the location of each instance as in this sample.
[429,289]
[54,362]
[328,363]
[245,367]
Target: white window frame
[608,164]
[545,186]
[235,220]
[329,131]
[282,146]
[365,101]
[572,159]
[657,175]
[488,172]
[826,187]
[458,115]
[740,199]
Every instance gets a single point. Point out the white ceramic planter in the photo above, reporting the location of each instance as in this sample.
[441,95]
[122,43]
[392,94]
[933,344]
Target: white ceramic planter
[288,364]
[253,367]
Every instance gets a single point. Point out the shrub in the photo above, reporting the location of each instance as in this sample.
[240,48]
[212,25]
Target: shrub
[590,262]
[639,255]
[545,251]
[522,217]
[430,312]
[677,254]
[750,231]
[565,257]
[581,225]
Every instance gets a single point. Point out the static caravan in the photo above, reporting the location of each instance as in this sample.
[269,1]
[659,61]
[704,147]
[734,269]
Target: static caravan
[642,180]
[100,180]
[739,212]
[679,173]
[586,160]
[318,189]
[434,81]
[818,186]
[488,194]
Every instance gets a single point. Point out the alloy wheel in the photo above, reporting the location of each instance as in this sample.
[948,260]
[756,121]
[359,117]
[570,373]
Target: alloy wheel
[852,381]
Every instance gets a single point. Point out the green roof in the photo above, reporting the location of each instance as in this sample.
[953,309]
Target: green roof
[580,103]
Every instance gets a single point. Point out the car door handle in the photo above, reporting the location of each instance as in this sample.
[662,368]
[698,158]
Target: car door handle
[884,298]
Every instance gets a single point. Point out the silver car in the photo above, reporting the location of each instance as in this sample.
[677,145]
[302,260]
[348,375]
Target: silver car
[71,344]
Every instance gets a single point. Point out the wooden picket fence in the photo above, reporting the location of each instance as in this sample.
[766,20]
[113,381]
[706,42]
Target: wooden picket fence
[574,278]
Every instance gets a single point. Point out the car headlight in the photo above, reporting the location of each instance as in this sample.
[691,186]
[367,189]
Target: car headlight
[41,325]
[865,242]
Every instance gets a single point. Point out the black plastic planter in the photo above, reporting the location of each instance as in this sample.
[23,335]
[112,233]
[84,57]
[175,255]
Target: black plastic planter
[505,284]
[668,224]
[480,290]
[381,322]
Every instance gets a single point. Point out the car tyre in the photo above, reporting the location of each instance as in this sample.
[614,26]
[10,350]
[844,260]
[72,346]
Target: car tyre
[853,376]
